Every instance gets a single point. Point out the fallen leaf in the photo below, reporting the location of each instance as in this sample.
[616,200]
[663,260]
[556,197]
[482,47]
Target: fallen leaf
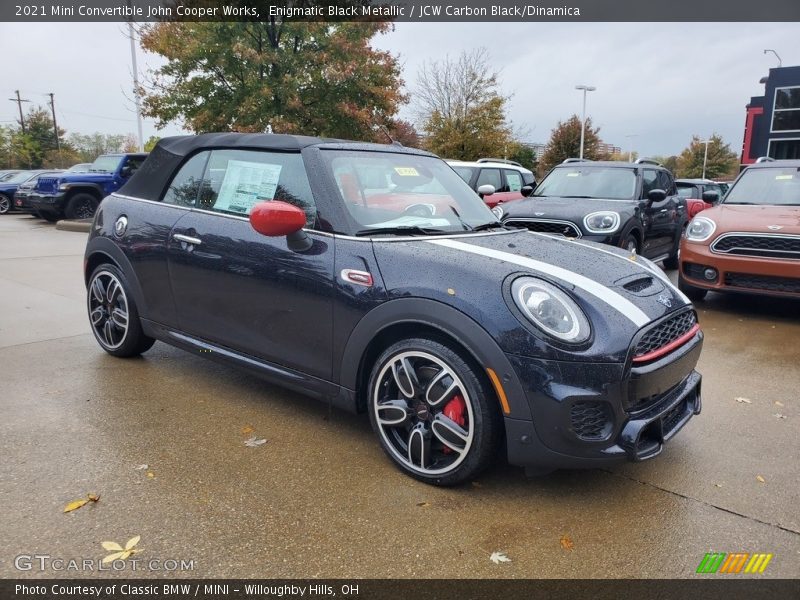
[75,505]
[778,403]
[718,485]
[477,484]
[129,545]
[118,552]
[150,475]
[744,400]
[779,416]
[253,442]
[140,467]
[247,429]
[93,497]
[499,557]
[112,546]
[760,479]
[423,503]
[566,543]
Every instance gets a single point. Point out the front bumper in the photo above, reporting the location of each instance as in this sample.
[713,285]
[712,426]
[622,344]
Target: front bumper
[598,414]
[21,203]
[737,273]
[49,203]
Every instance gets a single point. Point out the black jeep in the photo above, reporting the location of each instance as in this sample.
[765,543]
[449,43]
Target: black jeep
[630,205]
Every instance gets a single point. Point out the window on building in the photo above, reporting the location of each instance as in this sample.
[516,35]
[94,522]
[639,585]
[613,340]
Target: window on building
[786,115]
[784,149]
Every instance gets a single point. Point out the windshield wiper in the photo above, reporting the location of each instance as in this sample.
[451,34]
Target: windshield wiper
[589,197]
[490,225]
[401,229]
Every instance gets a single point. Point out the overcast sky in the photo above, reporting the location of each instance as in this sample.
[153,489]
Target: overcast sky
[659,82]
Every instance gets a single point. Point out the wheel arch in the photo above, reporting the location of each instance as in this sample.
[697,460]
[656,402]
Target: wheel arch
[415,317]
[85,188]
[101,250]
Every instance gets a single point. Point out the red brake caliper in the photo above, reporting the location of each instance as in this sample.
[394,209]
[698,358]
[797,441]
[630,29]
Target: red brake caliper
[455,410]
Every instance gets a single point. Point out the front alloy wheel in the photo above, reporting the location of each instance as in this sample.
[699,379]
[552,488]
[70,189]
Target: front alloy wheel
[432,413]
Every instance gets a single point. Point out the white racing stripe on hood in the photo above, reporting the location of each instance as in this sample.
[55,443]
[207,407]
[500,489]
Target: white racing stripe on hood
[610,297]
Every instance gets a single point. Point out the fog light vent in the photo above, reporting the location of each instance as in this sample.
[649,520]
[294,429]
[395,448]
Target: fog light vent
[591,421]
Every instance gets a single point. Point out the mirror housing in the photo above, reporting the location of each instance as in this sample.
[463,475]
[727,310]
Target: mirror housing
[486,190]
[527,190]
[656,196]
[275,218]
[711,197]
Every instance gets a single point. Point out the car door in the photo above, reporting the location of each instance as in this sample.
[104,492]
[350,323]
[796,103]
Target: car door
[245,291]
[658,217]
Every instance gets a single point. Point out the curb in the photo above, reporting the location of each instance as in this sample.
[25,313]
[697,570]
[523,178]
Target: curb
[81,226]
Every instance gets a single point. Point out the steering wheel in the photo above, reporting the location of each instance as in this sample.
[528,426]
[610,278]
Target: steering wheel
[420,210]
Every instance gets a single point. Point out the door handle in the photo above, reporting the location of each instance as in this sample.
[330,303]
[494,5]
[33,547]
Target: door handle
[187,239]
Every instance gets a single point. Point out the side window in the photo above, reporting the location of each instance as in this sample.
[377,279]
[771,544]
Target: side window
[236,180]
[490,177]
[185,185]
[665,182]
[513,179]
[131,165]
[649,181]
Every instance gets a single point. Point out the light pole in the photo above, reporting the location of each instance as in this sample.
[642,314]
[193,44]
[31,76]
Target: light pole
[780,62]
[584,89]
[134,68]
[705,156]
[630,136]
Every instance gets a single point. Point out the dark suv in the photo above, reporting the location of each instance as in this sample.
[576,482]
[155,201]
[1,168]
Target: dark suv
[630,205]
[77,195]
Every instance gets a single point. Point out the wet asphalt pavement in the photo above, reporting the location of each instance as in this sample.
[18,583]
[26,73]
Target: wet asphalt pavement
[320,499]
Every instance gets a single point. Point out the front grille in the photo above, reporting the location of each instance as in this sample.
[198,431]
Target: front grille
[670,420]
[591,421]
[564,228]
[763,282]
[664,333]
[46,184]
[763,245]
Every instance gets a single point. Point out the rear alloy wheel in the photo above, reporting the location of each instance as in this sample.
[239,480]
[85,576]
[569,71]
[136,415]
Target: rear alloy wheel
[81,206]
[5,204]
[435,418]
[113,315]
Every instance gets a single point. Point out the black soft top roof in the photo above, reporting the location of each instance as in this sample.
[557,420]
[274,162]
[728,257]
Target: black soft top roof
[152,177]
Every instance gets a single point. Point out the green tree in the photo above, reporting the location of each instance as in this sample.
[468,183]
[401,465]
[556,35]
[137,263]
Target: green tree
[670,162]
[280,76]
[89,147]
[565,142]
[151,143]
[461,109]
[720,162]
[523,154]
[5,147]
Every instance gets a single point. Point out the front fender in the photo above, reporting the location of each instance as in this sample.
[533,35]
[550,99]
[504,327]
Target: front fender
[450,321]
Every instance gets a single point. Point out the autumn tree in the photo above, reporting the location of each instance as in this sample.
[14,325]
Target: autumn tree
[565,142]
[281,76]
[720,162]
[459,104]
[93,145]
[151,143]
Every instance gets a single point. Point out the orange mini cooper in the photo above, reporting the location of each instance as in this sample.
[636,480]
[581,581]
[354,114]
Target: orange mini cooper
[751,241]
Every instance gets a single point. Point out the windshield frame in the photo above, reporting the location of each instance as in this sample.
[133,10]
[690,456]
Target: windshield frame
[346,223]
[537,192]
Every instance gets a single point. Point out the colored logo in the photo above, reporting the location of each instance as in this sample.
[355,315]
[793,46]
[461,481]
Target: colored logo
[736,562]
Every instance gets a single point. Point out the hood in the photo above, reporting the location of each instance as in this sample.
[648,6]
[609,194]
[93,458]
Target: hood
[568,209]
[83,177]
[619,295]
[755,219]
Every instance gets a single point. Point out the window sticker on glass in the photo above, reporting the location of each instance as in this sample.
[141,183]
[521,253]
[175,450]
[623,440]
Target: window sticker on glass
[246,184]
[573,174]
[406,171]
[779,177]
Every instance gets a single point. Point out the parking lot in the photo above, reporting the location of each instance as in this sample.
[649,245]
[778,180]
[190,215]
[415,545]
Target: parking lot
[161,439]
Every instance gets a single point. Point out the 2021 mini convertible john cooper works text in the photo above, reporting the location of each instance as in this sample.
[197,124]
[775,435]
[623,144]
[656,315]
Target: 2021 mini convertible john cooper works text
[374,278]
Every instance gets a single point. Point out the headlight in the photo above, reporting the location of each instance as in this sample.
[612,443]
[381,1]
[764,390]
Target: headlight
[603,221]
[497,211]
[700,229]
[62,186]
[551,310]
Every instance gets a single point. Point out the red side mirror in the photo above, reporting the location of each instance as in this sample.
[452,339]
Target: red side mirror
[275,218]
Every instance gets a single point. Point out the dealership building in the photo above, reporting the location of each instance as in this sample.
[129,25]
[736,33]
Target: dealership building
[772,127]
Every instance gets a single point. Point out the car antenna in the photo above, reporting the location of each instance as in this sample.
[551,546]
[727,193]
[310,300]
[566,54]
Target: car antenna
[388,135]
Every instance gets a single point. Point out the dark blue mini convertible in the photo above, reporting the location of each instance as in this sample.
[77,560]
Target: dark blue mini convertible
[372,277]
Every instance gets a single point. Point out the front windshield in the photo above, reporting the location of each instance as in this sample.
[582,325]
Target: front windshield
[19,177]
[105,164]
[768,186]
[589,182]
[395,192]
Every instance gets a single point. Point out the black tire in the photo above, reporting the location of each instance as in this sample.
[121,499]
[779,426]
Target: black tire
[695,294]
[81,206]
[674,260]
[5,204]
[630,243]
[435,366]
[108,299]
[48,216]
